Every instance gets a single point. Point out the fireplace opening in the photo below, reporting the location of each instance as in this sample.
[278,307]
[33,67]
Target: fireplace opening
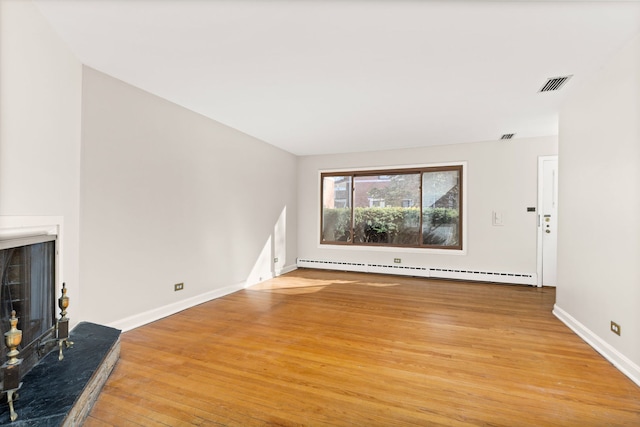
[28,273]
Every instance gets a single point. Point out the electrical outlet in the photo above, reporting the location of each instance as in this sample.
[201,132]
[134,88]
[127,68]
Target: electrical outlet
[615,328]
[275,260]
[178,286]
[397,260]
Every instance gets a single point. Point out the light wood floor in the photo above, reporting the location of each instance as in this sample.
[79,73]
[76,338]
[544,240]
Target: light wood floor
[328,348]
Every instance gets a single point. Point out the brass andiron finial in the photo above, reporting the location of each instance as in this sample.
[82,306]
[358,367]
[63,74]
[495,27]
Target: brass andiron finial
[62,325]
[13,338]
[11,369]
[63,303]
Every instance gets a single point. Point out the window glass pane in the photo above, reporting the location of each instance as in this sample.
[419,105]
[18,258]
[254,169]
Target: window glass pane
[441,208]
[336,209]
[387,209]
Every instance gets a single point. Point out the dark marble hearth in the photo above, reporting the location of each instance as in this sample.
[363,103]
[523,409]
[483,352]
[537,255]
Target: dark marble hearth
[61,393]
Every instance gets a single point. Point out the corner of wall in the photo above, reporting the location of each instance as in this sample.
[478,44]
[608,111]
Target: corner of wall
[609,352]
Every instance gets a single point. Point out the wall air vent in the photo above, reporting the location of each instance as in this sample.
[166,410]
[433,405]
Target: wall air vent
[507,136]
[554,83]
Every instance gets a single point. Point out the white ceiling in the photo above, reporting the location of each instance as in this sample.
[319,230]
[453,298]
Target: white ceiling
[330,76]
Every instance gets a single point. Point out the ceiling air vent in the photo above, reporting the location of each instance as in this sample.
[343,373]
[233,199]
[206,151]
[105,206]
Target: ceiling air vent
[507,136]
[554,83]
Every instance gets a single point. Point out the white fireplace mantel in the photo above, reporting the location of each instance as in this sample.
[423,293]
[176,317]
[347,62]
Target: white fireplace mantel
[14,227]
[25,226]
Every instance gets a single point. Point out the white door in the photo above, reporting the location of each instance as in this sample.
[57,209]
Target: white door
[547,220]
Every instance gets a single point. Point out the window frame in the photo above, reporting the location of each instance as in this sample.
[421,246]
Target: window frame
[458,167]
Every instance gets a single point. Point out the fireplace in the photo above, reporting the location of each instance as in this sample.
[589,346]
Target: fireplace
[28,287]
[51,390]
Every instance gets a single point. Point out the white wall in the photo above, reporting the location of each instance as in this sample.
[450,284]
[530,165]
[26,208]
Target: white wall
[40,97]
[501,175]
[599,210]
[170,196]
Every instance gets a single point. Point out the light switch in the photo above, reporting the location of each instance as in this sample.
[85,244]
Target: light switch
[498,218]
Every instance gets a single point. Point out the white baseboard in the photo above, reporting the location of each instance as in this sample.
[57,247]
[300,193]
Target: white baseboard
[286,269]
[137,320]
[619,360]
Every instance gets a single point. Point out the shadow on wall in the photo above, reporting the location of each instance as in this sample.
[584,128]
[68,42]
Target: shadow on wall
[273,256]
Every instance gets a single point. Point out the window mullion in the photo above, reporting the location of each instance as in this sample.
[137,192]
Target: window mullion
[353,209]
[421,240]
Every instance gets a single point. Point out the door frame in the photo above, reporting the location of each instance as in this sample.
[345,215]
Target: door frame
[541,160]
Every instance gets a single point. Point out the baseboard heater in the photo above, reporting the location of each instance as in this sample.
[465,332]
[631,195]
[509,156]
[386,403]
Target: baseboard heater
[441,273]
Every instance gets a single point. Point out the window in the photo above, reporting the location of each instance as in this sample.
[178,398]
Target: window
[336,208]
[405,207]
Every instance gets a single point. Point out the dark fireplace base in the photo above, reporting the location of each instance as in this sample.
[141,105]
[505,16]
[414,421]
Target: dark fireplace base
[61,393]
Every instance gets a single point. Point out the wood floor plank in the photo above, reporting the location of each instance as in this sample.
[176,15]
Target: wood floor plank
[332,348]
